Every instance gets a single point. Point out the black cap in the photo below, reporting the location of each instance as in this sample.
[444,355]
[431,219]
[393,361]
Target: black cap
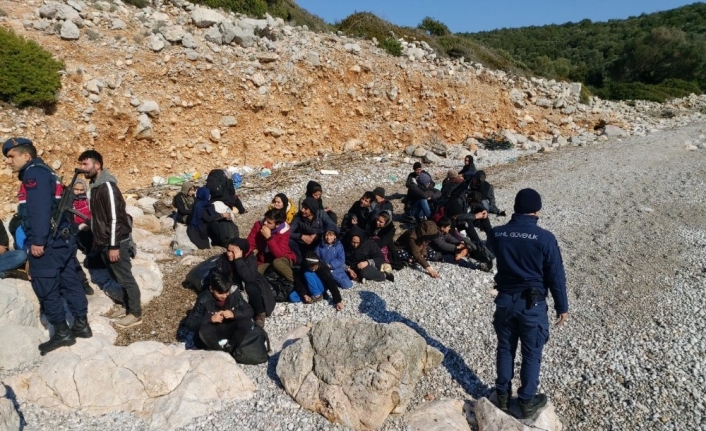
[14,142]
[379,191]
[527,201]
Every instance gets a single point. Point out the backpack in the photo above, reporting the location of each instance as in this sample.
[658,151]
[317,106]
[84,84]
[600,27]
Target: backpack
[222,231]
[217,183]
[254,348]
[281,288]
[199,278]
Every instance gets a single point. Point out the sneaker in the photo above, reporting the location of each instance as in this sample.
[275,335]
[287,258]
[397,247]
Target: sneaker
[531,407]
[128,321]
[389,277]
[317,298]
[117,312]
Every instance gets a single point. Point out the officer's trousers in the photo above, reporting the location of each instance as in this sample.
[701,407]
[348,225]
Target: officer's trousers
[514,321]
[54,276]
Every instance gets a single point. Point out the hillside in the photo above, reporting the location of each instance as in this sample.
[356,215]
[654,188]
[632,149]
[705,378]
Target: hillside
[652,56]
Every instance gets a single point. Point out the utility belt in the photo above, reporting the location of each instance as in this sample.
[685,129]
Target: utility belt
[532,296]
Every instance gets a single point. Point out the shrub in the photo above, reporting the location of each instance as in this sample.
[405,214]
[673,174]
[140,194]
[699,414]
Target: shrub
[392,46]
[29,75]
[256,8]
[138,3]
[434,27]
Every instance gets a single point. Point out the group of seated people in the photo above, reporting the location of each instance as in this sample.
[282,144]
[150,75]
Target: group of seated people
[306,246]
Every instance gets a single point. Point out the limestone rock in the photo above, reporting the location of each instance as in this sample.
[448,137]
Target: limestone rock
[353,48]
[148,275]
[289,339]
[228,31]
[430,157]
[148,222]
[9,419]
[312,57]
[204,17]
[118,24]
[420,152]
[18,304]
[612,131]
[146,204]
[188,41]
[362,373]
[69,31]
[173,33]
[24,341]
[148,242]
[134,211]
[156,42]
[214,35]
[442,415]
[543,103]
[228,121]
[182,239]
[491,418]
[244,37]
[67,13]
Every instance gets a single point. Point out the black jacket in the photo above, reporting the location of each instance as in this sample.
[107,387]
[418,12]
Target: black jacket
[367,251]
[244,271]
[488,194]
[200,234]
[385,237]
[318,225]
[109,221]
[206,305]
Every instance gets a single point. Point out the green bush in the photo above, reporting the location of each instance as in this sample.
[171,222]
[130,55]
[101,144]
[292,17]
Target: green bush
[285,9]
[256,8]
[392,46]
[434,27]
[28,74]
[138,3]
[668,89]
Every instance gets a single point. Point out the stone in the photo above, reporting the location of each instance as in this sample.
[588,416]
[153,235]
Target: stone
[24,341]
[442,415]
[182,239]
[258,79]
[146,204]
[214,35]
[67,13]
[134,211]
[9,418]
[289,339]
[69,31]
[312,57]
[147,273]
[575,89]
[420,152]
[363,371]
[244,37]
[48,10]
[491,418]
[18,304]
[215,135]
[204,17]
[410,149]
[118,24]
[353,48]
[166,385]
[228,121]
[430,157]
[173,33]
[612,131]
[149,107]
[228,31]
[93,86]
[144,127]
[543,103]
[351,145]
[188,41]
[690,147]
[41,25]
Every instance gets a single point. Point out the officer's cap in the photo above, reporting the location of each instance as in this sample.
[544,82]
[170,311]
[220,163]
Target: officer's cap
[14,142]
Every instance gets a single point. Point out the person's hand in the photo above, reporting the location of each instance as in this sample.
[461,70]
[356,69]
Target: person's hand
[482,215]
[432,272]
[83,226]
[308,239]
[563,317]
[227,314]
[327,209]
[3,249]
[217,318]
[354,220]
[307,299]
[37,250]
[362,264]
[502,214]
[237,252]
[461,246]
[266,232]
[352,274]
[113,255]
[339,306]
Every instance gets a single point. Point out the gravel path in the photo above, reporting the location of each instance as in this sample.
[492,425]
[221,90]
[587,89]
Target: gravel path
[628,215]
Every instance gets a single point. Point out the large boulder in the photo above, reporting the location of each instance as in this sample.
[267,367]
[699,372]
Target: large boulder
[363,371]
[146,204]
[204,18]
[181,238]
[69,31]
[443,415]
[148,222]
[491,418]
[166,385]
[24,341]
[9,419]
[148,277]
[18,304]
[612,131]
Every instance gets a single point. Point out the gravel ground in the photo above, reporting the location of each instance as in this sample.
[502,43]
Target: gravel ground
[628,216]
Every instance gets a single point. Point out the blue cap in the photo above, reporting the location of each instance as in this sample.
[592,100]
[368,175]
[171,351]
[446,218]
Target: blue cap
[14,142]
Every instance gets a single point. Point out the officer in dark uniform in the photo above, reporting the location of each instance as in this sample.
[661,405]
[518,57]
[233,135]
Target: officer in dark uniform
[529,266]
[52,251]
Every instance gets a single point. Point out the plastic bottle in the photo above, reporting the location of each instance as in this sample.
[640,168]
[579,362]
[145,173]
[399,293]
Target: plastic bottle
[180,252]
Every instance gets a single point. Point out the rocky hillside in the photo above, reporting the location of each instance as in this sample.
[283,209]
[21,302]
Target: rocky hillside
[180,88]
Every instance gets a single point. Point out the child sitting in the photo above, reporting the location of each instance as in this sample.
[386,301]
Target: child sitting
[449,243]
[220,318]
[331,253]
[313,281]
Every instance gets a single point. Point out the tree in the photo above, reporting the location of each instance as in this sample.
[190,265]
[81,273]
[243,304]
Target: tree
[434,27]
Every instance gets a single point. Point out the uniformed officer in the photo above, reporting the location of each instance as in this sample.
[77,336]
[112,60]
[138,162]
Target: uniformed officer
[51,251]
[529,266]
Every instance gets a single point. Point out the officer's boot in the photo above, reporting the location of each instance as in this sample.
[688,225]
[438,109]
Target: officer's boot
[531,407]
[87,289]
[81,329]
[62,337]
[503,399]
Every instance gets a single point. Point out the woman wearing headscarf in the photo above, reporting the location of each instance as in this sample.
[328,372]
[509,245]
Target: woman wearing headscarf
[184,202]
[203,223]
[314,191]
[281,202]
[469,168]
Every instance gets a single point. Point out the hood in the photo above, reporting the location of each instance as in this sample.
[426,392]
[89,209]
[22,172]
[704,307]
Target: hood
[311,187]
[427,230]
[355,230]
[186,187]
[104,177]
[203,194]
[312,204]
[389,220]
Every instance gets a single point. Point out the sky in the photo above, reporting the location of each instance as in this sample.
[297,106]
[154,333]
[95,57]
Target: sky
[474,15]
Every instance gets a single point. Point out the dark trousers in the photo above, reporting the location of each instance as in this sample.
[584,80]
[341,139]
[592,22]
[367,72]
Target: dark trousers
[232,330]
[255,297]
[514,321]
[122,273]
[370,273]
[54,276]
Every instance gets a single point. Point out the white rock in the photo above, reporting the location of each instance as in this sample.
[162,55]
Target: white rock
[173,33]
[442,415]
[215,135]
[24,341]
[146,204]
[134,211]
[188,41]
[228,121]
[9,419]
[149,107]
[204,17]
[156,42]
[69,31]
[182,239]
[613,131]
[18,304]
[117,24]
[214,35]
[491,418]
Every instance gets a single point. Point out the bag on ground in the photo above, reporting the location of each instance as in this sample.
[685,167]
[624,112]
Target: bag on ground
[255,347]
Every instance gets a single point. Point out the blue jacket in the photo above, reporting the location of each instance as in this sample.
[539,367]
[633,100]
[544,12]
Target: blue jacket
[38,197]
[529,256]
[332,255]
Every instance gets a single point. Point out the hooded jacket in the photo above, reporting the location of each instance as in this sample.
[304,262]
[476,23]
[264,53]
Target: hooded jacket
[276,246]
[361,214]
[487,192]
[311,188]
[415,192]
[184,203]
[332,255]
[244,271]
[109,221]
[80,205]
[318,225]
[367,251]
[414,241]
[289,207]
[206,305]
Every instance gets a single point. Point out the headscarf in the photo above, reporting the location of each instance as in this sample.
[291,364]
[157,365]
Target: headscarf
[83,182]
[241,243]
[203,196]
[285,201]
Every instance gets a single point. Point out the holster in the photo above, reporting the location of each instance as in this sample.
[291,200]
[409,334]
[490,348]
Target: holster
[532,296]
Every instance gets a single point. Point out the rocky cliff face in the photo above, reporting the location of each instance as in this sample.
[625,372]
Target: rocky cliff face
[179,88]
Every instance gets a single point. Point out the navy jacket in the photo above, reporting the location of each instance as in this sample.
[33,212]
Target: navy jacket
[38,197]
[529,256]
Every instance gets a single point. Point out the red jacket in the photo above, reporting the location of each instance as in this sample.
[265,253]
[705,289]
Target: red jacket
[275,247]
[81,205]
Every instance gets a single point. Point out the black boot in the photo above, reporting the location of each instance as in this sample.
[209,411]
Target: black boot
[81,329]
[87,289]
[531,407]
[503,398]
[62,337]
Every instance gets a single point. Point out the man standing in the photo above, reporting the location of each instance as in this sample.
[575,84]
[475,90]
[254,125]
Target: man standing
[111,236]
[52,246]
[529,265]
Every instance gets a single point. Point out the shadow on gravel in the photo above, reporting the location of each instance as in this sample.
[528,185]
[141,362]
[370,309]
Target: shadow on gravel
[376,308]
[10,394]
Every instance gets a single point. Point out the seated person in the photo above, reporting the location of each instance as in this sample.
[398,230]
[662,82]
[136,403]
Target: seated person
[360,213]
[282,202]
[313,281]
[9,259]
[221,318]
[184,202]
[269,240]
[420,190]
[239,264]
[465,215]
[313,190]
[413,244]
[469,168]
[382,231]
[487,192]
[206,225]
[364,258]
[308,227]
[220,185]
[453,185]
[449,243]
[331,254]
[381,204]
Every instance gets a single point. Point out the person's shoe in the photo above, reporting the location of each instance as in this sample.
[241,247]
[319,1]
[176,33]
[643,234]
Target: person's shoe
[128,321]
[407,218]
[530,408]
[389,277]
[62,337]
[362,281]
[117,312]
[260,317]
[81,329]
[87,288]
[317,298]
[503,398]
[486,266]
